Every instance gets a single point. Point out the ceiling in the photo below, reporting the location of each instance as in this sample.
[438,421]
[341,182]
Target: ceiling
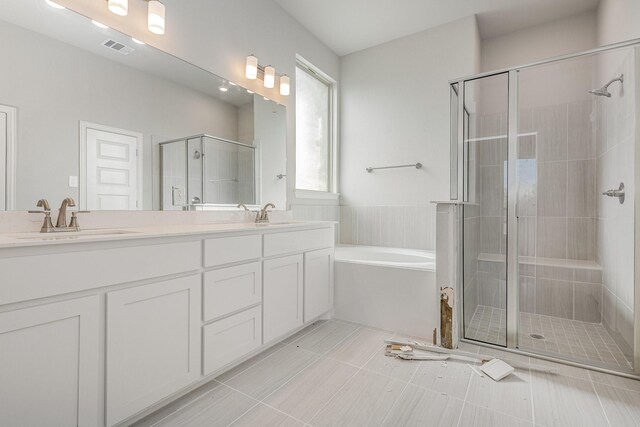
[347,26]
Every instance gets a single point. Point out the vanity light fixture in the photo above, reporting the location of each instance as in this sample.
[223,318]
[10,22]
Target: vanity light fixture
[99,24]
[119,7]
[54,4]
[251,71]
[269,77]
[156,20]
[285,85]
[135,40]
[267,74]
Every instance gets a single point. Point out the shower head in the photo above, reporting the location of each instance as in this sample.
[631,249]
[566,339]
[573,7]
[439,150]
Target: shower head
[604,90]
[601,92]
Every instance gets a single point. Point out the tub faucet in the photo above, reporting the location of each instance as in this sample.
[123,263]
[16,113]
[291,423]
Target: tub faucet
[62,213]
[263,216]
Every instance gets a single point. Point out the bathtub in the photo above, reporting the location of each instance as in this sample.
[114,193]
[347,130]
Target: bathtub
[387,288]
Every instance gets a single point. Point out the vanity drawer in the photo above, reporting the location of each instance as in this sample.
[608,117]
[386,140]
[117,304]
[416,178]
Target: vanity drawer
[227,250]
[229,339]
[298,241]
[39,276]
[231,289]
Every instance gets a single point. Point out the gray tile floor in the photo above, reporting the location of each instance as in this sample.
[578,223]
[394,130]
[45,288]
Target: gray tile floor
[335,373]
[580,341]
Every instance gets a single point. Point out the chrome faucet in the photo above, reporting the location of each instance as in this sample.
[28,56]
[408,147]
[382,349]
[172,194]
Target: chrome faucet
[263,216]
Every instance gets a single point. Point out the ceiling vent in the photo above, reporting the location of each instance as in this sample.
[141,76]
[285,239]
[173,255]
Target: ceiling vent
[117,46]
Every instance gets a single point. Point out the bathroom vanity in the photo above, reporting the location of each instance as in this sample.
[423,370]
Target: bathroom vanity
[100,327]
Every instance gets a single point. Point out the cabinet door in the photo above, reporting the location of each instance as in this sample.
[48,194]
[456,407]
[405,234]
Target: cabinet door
[281,296]
[153,344]
[49,364]
[318,283]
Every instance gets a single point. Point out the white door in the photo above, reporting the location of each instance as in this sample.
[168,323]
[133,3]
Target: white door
[153,344]
[281,296]
[49,364]
[112,169]
[3,161]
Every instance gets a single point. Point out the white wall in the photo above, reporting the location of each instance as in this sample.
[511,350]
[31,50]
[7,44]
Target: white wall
[395,110]
[555,38]
[218,35]
[618,20]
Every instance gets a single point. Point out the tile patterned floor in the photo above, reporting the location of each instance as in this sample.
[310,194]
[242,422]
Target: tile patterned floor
[581,341]
[335,373]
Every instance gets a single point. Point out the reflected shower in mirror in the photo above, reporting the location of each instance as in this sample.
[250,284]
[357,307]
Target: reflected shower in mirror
[83,111]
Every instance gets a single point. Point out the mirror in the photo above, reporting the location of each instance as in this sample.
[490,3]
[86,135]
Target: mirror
[90,113]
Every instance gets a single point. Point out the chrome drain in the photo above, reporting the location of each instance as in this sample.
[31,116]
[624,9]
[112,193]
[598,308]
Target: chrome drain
[537,336]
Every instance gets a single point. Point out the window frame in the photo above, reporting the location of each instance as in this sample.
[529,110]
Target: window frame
[331,195]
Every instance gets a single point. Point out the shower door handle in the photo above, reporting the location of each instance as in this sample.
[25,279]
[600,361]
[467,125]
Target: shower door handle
[619,193]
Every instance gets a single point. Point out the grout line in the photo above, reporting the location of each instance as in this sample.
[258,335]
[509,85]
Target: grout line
[313,363]
[464,401]
[593,386]
[244,413]
[343,386]
[533,411]
[400,394]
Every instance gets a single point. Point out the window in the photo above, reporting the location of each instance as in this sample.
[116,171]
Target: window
[314,130]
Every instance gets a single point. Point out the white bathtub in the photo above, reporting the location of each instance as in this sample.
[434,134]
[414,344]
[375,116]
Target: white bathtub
[388,288]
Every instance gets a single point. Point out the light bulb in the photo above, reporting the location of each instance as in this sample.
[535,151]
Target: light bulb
[223,88]
[251,71]
[119,7]
[269,77]
[285,85]
[135,40]
[156,22]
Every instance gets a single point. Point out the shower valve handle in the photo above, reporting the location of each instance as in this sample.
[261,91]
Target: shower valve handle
[619,193]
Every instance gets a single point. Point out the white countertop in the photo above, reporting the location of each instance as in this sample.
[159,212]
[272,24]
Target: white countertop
[17,240]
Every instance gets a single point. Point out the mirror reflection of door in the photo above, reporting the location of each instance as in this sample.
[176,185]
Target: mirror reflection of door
[110,165]
[3,161]
[8,125]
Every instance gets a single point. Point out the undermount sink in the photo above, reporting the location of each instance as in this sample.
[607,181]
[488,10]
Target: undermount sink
[72,235]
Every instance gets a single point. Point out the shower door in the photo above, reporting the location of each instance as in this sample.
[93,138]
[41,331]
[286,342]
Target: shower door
[485,165]
[546,175]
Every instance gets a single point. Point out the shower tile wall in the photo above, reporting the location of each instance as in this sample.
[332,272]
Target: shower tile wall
[410,227]
[615,149]
[557,170]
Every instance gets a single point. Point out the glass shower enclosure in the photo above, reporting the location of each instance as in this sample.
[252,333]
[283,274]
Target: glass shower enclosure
[544,163]
[205,170]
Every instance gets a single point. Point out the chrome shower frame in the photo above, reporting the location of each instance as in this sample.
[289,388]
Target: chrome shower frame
[512,320]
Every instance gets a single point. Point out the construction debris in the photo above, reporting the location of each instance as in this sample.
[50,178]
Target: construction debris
[496,369]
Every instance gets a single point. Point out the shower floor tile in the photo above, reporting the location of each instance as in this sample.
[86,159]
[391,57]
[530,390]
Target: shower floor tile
[571,339]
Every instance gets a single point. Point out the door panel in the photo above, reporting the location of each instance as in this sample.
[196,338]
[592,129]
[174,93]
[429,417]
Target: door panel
[112,170]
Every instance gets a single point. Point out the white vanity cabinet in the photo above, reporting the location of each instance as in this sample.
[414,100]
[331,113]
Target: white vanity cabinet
[153,344]
[132,324]
[49,364]
[282,296]
[318,283]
